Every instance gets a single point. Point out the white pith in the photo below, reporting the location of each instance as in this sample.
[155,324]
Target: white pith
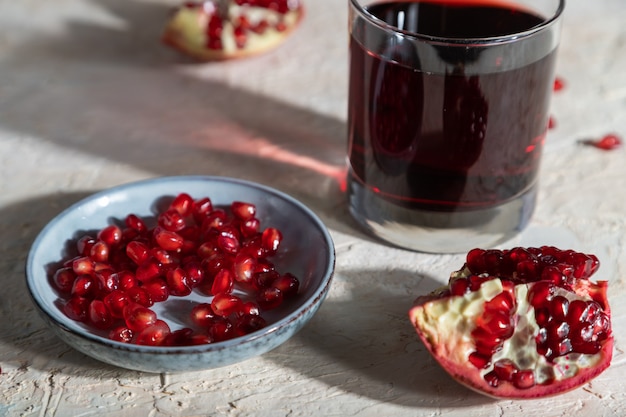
[444,320]
[190,23]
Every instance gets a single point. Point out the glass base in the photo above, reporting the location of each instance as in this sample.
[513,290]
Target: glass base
[439,232]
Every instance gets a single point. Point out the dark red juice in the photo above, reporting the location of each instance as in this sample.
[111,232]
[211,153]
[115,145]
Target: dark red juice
[450,128]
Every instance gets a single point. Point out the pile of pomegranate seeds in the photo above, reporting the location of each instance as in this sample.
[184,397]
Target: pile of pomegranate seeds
[519,323]
[223,254]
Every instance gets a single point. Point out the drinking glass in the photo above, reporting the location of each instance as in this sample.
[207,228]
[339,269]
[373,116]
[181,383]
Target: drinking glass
[447,117]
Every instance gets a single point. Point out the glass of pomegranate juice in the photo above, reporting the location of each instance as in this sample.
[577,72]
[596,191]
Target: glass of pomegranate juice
[448,113]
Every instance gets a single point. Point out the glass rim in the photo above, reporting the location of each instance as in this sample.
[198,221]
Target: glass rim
[510,37]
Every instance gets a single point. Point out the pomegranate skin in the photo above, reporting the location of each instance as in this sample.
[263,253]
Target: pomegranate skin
[445,336]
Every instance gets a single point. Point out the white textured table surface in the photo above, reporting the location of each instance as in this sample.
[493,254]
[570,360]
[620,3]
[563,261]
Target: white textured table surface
[90,99]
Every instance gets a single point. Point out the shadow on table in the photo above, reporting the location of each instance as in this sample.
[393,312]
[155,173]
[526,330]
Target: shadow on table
[365,345]
[28,343]
[115,93]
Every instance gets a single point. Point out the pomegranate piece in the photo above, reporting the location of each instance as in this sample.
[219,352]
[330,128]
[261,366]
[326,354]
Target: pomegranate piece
[222,29]
[519,323]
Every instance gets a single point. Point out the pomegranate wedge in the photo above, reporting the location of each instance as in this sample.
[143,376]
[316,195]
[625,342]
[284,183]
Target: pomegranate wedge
[519,323]
[222,29]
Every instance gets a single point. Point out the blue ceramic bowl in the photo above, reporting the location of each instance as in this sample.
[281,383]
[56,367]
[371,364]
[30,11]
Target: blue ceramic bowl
[308,252]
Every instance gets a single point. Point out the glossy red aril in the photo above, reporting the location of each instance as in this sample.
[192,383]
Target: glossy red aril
[153,335]
[121,334]
[99,315]
[519,323]
[221,29]
[225,304]
[222,251]
[64,279]
[607,142]
[138,317]
[202,315]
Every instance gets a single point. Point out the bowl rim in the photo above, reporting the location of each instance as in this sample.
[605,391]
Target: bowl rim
[312,301]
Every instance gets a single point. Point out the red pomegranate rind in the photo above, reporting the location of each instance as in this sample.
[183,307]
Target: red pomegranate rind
[223,29]
[510,335]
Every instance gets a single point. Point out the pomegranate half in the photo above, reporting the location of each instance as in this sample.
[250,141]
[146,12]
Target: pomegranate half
[222,29]
[519,323]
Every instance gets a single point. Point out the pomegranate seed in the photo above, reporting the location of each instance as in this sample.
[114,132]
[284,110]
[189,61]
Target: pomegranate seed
[497,323]
[99,252]
[171,220]
[524,379]
[250,227]
[558,308]
[138,295]
[157,289]
[162,256]
[126,280]
[228,241]
[501,302]
[479,361]
[84,244]
[168,240]
[271,239]
[269,298]
[559,84]
[76,308]
[138,317]
[492,379]
[223,282]
[250,307]
[99,315]
[459,286]
[202,315]
[244,266]
[242,210]
[183,204]
[505,369]
[138,252]
[178,337]
[116,301]
[608,142]
[249,323]
[262,280]
[84,285]
[288,284]
[148,270]
[201,209]
[63,279]
[111,235]
[83,265]
[121,334]
[107,280]
[221,329]
[214,220]
[136,223]
[194,271]
[178,282]
[225,304]
[154,334]
[475,261]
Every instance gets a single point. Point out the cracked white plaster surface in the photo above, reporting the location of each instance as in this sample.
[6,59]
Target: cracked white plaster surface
[89,99]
